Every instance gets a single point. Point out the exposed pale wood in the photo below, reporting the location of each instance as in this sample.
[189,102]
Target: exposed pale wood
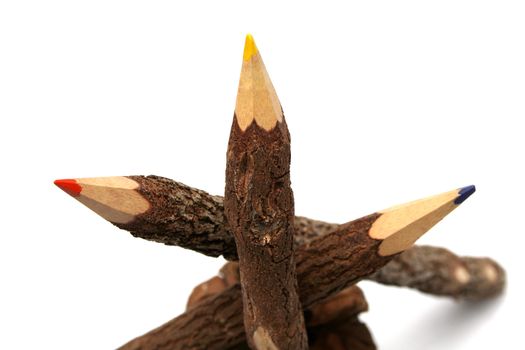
[113,198]
[421,215]
[256,97]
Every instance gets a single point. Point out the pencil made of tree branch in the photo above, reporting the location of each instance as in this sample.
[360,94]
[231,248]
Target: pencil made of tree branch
[354,250]
[157,209]
[259,207]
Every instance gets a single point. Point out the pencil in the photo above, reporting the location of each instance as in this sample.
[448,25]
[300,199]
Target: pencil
[158,209]
[259,207]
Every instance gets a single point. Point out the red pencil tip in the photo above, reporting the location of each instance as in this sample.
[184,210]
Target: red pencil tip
[70,186]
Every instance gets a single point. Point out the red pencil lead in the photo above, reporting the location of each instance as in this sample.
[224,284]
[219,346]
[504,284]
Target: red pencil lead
[70,186]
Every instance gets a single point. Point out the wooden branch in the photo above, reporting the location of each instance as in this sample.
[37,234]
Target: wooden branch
[325,266]
[259,207]
[330,323]
[440,272]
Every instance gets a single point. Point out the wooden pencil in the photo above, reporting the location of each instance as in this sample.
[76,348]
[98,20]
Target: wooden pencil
[325,266]
[259,207]
[158,209]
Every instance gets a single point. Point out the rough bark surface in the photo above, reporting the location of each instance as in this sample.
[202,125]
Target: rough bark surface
[183,216]
[438,271]
[194,219]
[259,207]
[216,323]
[325,266]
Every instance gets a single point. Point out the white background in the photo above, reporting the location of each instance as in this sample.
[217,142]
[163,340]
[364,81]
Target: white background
[386,101]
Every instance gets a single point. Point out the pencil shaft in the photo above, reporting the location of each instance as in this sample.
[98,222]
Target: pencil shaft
[183,216]
[258,204]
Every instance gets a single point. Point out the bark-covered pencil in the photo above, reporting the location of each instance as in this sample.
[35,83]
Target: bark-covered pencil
[259,207]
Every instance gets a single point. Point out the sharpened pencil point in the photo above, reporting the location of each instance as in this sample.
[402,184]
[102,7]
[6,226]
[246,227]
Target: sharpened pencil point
[256,97]
[70,186]
[250,48]
[464,193]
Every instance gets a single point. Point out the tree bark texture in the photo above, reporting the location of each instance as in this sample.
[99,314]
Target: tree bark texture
[193,219]
[325,266]
[183,216]
[259,207]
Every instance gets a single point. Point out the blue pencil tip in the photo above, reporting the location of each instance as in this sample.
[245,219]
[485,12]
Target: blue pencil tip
[464,193]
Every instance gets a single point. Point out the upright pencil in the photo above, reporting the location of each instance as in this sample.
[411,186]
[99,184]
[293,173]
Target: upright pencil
[259,207]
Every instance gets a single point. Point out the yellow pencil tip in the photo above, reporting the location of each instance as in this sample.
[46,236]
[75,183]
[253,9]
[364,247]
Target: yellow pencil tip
[250,48]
